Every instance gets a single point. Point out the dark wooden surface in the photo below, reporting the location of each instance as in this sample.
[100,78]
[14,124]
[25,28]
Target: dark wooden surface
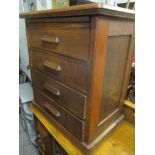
[114,74]
[80,67]
[86,9]
[98,43]
[68,98]
[68,35]
[66,119]
[80,19]
[73,72]
[129,115]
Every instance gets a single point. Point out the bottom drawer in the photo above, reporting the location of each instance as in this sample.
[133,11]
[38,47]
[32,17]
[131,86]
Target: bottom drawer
[74,125]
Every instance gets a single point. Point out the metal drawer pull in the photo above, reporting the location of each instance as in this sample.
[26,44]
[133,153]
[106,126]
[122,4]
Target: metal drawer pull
[50,39]
[51,89]
[52,66]
[52,110]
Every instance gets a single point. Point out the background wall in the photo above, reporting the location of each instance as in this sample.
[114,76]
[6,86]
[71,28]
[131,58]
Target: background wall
[23,50]
[24,6]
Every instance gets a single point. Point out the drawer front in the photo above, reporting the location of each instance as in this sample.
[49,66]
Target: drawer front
[63,69]
[72,100]
[56,112]
[66,39]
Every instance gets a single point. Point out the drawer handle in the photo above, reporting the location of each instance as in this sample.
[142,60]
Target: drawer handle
[52,110]
[50,39]
[51,89]
[52,66]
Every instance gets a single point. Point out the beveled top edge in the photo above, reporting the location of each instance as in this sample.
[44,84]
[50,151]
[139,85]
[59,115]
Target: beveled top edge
[84,9]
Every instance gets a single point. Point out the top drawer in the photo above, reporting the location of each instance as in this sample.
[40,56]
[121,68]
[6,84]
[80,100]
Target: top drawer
[66,39]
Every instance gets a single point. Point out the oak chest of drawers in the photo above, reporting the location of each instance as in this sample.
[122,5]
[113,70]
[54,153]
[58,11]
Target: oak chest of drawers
[80,60]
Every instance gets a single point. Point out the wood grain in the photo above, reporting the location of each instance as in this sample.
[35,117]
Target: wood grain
[68,98]
[81,19]
[73,73]
[114,74]
[99,30]
[66,119]
[119,142]
[86,9]
[73,38]
[80,59]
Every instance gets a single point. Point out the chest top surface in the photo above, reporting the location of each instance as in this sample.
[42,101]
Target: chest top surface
[81,10]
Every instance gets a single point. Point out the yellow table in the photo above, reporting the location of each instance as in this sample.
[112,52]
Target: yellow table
[118,142]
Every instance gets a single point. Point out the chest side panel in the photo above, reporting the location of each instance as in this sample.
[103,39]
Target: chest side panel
[111,50]
[118,58]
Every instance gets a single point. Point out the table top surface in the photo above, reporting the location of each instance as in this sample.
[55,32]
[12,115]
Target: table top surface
[80,10]
[119,142]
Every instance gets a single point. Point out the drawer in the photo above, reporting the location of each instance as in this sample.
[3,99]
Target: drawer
[68,71]
[56,112]
[66,39]
[69,98]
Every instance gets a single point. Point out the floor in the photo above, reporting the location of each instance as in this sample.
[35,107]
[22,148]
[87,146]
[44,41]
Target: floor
[25,146]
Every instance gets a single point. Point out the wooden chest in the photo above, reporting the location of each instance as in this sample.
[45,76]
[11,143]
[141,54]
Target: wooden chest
[80,60]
